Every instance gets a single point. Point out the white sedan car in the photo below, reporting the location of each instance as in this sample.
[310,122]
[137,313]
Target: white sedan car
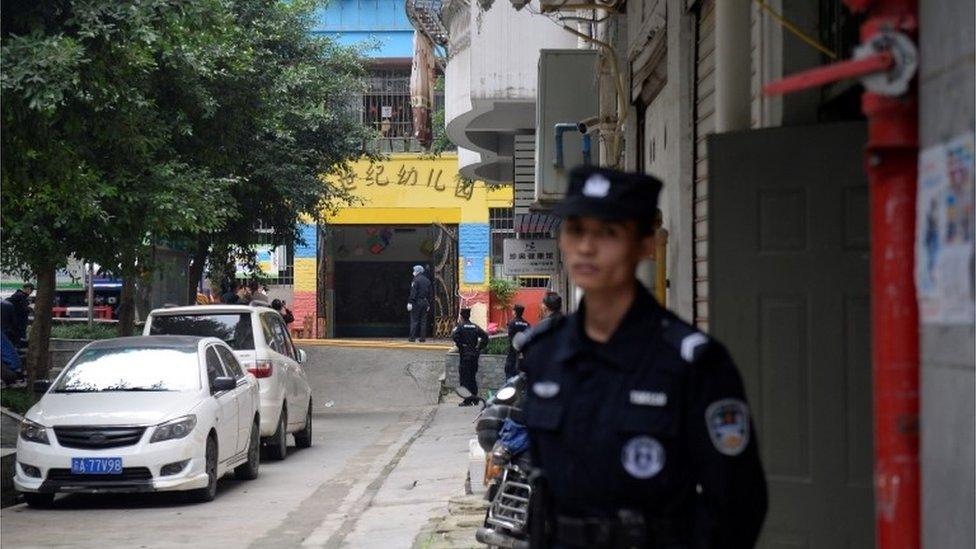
[141,414]
[260,340]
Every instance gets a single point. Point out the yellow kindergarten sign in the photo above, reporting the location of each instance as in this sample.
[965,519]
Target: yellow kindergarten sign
[407,188]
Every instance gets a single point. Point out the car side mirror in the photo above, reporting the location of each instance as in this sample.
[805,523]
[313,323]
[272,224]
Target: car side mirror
[41,385]
[302,357]
[223,383]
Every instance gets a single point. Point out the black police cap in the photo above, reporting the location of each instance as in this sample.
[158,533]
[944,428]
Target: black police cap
[609,194]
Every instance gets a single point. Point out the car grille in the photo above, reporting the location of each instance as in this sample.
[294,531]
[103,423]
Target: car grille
[96,438]
[129,474]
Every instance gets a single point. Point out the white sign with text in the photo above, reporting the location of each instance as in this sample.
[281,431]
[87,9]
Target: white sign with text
[531,257]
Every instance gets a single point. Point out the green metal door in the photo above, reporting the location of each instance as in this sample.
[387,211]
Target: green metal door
[788,274]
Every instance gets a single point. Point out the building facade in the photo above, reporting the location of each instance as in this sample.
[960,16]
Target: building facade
[351,277]
[765,208]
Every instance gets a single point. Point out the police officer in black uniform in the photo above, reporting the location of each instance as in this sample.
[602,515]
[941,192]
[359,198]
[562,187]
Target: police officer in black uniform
[552,305]
[470,340]
[638,422]
[515,326]
[418,304]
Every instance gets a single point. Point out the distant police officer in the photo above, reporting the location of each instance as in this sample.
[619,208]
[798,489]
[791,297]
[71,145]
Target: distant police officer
[418,304]
[515,326]
[470,340]
[638,422]
[552,305]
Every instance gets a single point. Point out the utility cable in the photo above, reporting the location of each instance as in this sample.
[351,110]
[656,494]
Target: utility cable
[810,41]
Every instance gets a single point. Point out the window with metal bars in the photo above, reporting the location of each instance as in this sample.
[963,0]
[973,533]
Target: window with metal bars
[386,109]
[501,222]
[533,281]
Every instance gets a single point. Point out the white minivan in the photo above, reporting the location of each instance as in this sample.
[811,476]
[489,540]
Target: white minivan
[260,340]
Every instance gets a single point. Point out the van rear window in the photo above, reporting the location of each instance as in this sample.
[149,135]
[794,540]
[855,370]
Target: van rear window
[233,328]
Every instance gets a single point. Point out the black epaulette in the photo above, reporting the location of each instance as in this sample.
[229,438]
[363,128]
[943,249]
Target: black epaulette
[684,338]
[522,340]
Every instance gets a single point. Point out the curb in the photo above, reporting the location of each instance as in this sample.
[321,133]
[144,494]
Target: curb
[372,344]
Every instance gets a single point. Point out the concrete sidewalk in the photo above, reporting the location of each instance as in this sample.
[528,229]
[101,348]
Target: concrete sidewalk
[422,473]
[431,473]
[370,343]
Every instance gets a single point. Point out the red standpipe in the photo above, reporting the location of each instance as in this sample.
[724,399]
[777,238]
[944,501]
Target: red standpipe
[892,168]
[892,173]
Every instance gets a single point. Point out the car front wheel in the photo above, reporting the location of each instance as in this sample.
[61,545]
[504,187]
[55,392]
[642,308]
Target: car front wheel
[204,495]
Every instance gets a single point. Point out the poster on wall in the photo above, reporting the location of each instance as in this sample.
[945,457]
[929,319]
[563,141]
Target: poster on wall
[944,240]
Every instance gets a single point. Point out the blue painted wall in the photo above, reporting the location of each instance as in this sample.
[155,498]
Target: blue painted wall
[474,241]
[310,234]
[355,21]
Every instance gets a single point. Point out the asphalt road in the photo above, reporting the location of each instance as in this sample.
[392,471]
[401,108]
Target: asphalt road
[385,459]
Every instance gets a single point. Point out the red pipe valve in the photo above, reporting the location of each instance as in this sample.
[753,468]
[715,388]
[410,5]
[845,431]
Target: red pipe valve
[885,64]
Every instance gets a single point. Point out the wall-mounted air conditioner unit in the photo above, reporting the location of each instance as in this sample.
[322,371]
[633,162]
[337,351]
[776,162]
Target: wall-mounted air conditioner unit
[568,93]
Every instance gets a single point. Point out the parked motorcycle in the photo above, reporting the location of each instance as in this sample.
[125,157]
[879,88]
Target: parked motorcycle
[504,438]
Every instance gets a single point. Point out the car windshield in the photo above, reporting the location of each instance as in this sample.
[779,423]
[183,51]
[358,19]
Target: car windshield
[131,369]
[233,328]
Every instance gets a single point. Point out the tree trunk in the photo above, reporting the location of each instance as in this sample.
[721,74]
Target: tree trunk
[127,304]
[38,355]
[198,262]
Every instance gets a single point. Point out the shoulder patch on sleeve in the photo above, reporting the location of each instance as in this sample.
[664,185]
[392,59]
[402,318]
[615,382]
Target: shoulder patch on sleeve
[727,421]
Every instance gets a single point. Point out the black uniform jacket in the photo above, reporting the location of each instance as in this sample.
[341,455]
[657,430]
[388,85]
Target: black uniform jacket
[419,290]
[655,420]
[515,327]
[470,339]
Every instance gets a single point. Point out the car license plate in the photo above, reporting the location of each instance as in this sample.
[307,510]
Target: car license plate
[96,466]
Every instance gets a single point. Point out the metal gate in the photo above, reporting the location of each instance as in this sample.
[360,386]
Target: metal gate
[445,260]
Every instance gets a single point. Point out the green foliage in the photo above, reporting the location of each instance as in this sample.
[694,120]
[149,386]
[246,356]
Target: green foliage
[90,168]
[497,345]
[502,292]
[80,330]
[438,124]
[17,400]
[279,128]
[124,124]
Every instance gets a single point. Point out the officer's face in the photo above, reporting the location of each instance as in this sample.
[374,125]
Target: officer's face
[602,255]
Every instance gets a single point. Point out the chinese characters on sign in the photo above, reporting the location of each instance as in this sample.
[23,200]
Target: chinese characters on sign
[378,175]
[530,257]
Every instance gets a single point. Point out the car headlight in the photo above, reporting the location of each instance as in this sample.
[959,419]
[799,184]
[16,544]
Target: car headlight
[177,428]
[33,432]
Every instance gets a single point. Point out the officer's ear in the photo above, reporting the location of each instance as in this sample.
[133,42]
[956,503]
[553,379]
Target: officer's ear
[645,243]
